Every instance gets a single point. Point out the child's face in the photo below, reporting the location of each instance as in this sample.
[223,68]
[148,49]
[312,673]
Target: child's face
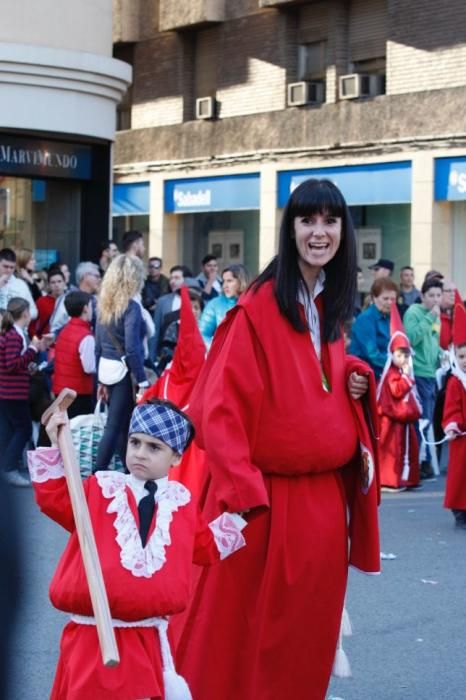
[148,457]
[460,353]
[400,358]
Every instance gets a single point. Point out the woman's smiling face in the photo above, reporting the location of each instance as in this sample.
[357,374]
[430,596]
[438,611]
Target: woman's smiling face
[318,238]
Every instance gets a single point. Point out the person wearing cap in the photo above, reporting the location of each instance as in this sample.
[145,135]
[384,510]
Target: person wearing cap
[382,268]
[454,421]
[148,531]
[399,409]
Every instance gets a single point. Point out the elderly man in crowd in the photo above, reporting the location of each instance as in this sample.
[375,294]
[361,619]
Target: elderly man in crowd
[88,280]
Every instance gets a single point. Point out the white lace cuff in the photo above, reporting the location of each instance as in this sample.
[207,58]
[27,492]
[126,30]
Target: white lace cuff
[226,530]
[452,427]
[45,463]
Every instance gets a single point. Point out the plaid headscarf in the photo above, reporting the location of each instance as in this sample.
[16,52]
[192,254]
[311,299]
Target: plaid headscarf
[162,422]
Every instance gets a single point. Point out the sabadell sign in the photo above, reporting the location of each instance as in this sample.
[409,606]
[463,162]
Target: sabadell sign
[32,157]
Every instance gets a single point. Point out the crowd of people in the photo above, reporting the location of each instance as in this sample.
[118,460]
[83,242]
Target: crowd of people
[407,335]
[298,369]
[106,334]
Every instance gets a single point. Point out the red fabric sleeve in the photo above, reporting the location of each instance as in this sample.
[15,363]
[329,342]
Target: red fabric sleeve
[52,494]
[205,549]
[453,409]
[399,385]
[230,408]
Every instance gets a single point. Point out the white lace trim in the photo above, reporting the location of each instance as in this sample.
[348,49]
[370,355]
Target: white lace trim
[45,463]
[142,561]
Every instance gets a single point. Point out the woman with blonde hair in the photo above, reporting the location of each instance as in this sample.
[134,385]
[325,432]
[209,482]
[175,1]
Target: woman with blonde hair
[120,332]
[25,267]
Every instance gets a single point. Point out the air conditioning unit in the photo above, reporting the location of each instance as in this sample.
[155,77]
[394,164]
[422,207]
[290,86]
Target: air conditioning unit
[357,85]
[305,93]
[206,107]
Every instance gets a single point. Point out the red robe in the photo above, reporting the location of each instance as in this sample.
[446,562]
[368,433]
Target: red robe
[398,448]
[455,412]
[265,626]
[140,583]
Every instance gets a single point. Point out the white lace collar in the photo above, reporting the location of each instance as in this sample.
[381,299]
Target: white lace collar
[142,561]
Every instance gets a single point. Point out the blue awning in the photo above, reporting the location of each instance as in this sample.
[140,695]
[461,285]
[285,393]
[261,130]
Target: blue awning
[374,183]
[130,199]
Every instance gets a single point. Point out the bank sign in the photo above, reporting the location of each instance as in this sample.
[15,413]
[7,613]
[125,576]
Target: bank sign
[31,157]
[228,193]
[450,178]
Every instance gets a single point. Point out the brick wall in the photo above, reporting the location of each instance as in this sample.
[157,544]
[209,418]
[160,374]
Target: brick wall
[427,45]
[158,81]
[252,64]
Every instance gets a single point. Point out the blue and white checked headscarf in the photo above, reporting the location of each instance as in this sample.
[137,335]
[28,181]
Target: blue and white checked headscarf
[162,422]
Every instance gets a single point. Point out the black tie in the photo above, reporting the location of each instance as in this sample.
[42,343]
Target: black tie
[146,510]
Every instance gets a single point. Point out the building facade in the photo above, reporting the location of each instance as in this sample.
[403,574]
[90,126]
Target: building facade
[234,103]
[59,88]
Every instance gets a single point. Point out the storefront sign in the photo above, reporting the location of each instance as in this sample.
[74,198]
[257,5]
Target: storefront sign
[450,178]
[31,157]
[377,183]
[225,193]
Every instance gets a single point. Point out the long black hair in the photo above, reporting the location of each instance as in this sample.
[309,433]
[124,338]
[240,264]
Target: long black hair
[315,197]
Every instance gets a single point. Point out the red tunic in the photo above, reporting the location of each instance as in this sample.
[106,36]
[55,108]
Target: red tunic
[398,449]
[140,583]
[265,624]
[455,412]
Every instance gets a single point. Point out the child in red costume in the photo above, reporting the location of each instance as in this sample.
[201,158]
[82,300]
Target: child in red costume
[148,532]
[454,421]
[399,409]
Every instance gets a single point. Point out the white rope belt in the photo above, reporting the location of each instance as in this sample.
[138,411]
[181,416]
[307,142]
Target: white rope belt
[176,687]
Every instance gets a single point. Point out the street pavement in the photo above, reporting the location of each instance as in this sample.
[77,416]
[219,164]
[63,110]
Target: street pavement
[409,624]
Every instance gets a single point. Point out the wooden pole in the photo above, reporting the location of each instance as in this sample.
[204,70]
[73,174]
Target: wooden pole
[95,581]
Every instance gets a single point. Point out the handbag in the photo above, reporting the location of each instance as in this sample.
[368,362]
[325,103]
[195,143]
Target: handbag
[86,433]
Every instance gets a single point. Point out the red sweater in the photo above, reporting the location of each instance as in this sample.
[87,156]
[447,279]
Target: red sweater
[68,370]
[14,375]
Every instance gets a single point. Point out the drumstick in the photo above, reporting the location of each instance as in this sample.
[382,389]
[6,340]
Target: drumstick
[82,519]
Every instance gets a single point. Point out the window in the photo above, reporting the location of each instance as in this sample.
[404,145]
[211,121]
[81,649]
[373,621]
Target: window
[312,61]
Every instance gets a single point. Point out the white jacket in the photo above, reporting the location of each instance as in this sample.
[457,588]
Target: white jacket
[17,288]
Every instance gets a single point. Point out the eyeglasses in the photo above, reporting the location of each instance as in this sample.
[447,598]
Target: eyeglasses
[154,266]
[451,291]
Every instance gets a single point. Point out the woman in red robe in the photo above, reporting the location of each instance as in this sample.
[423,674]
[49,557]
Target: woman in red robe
[274,412]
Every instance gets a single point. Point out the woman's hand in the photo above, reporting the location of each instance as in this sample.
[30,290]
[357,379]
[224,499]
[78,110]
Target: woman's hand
[358,384]
[102,393]
[57,420]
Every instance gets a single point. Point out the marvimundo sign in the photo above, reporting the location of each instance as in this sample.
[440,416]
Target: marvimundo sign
[45,158]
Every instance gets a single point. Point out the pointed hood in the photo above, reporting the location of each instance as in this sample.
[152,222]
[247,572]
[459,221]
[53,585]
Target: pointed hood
[459,321]
[179,377]
[398,337]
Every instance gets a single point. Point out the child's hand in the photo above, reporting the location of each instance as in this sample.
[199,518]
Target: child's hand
[57,420]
